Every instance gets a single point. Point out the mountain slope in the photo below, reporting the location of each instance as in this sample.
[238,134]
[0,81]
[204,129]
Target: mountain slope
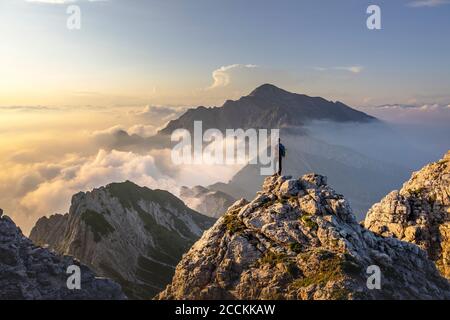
[298,239]
[33,273]
[131,234]
[267,107]
[419,213]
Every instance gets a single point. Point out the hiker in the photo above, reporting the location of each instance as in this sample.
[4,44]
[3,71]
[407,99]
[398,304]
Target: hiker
[281,155]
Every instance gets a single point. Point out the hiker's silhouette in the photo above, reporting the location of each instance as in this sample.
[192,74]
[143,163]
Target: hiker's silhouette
[281,155]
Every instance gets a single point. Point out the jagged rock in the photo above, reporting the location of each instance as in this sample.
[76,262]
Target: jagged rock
[298,239]
[208,202]
[133,235]
[32,273]
[419,213]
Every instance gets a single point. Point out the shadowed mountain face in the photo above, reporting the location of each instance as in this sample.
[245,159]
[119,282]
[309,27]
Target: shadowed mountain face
[131,234]
[267,107]
[28,272]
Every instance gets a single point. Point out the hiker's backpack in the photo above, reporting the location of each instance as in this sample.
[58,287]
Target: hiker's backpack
[282,151]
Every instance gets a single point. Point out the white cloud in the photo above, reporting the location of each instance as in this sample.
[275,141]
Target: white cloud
[222,76]
[158,114]
[54,195]
[39,196]
[62,1]
[352,69]
[119,136]
[402,113]
[143,130]
[109,131]
[428,3]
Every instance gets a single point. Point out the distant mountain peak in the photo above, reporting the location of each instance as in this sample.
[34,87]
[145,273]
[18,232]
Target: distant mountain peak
[268,89]
[269,107]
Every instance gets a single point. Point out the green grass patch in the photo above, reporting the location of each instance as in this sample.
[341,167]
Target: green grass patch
[97,223]
[332,267]
[308,222]
[296,247]
[233,224]
[272,258]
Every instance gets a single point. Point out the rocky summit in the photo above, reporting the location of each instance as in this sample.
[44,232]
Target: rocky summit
[419,213]
[298,239]
[32,273]
[128,233]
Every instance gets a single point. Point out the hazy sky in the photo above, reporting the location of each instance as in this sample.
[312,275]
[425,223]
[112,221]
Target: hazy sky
[179,52]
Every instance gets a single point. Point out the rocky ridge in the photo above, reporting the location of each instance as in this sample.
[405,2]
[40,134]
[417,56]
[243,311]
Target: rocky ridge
[419,213]
[298,239]
[34,273]
[128,233]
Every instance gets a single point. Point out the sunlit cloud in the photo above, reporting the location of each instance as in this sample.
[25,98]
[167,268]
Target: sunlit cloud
[162,113]
[352,69]
[222,76]
[428,3]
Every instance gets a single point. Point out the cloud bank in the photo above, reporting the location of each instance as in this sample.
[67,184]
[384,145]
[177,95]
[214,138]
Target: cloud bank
[432,113]
[428,3]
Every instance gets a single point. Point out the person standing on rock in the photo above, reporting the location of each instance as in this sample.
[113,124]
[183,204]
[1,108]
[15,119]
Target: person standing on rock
[281,155]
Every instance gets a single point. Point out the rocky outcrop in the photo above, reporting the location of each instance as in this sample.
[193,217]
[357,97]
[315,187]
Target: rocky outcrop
[32,273]
[298,239]
[209,202]
[419,213]
[128,233]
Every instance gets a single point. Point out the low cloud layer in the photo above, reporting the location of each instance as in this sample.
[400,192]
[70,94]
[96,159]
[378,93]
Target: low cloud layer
[420,114]
[49,154]
[47,158]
